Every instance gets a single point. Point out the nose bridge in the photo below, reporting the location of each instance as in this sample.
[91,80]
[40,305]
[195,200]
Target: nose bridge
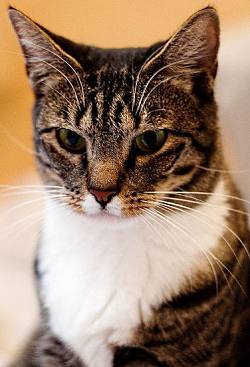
[106,161]
[104,174]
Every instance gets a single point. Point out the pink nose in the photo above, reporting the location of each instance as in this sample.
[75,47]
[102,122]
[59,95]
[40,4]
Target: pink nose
[103,197]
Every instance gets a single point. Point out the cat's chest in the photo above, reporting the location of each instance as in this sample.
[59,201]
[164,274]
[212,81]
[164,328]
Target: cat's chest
[100,283]
[98,289]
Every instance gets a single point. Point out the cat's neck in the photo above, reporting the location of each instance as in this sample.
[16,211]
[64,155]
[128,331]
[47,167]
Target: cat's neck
[101,280]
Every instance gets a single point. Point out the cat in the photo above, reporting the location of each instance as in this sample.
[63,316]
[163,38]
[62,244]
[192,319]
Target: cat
[143,258]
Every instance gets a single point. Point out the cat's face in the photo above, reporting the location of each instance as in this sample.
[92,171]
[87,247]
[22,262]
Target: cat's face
[114,127]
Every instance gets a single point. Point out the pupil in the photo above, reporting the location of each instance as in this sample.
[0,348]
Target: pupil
[72,138]
[150,139]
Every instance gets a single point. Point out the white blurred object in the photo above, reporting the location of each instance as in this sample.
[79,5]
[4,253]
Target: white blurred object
[4,359]
[19,228]
[233,96]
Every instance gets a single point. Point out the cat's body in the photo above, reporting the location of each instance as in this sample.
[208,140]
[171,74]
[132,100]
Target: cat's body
[124,316]
[151,274]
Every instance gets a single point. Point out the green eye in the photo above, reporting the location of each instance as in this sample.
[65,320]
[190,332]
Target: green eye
[150,141]
[71,141]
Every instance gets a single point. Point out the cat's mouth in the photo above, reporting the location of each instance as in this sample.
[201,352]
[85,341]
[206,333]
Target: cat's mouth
[111,215]
[111,212]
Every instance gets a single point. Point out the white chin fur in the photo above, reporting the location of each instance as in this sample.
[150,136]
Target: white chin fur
[92,207]
[111,217]
[99,281]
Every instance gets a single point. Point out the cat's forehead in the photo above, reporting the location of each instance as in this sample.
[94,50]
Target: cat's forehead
[108,110]
[111,80]
[94,59]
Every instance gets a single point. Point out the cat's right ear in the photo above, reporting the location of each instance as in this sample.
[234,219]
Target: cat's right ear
[45,61]
[193,48]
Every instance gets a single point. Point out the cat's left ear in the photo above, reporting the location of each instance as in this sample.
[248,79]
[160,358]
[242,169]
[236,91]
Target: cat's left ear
[46,62]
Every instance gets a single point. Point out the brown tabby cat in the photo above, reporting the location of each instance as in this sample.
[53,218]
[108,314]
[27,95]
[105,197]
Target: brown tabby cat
[144,254]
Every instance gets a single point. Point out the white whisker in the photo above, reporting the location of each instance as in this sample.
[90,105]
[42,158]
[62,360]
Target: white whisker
[208,253]
[61,58]
[223,170]
[15,194]
[222,264]
[200,201]
[179,228]
[154,88]
[186,210]
[151,58]
[36,59]
[36,215]
[146,85]
[146,62]
[185,193]
[15,187]
[62,95]
[29,202]
[169,233]
[161,226]
[18,143]
[165,67]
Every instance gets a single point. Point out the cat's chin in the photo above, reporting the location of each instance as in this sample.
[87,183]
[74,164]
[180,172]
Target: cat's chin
[104,218]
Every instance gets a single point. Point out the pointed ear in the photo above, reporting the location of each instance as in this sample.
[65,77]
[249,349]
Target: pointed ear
[46,62]
[194,47]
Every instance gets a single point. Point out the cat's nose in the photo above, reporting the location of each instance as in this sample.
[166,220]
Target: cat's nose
[103,197]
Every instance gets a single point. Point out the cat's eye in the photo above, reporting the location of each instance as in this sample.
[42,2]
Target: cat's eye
[71,141]
[150,141]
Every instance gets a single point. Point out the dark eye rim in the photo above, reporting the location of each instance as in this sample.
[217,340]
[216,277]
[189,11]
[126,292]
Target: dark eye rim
[67,148]
[140,152]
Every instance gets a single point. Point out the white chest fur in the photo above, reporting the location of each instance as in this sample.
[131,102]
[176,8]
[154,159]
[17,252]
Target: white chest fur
[100,281]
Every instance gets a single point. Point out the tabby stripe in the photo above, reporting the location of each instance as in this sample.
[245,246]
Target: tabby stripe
[94,110]
[65,112]
[126,355]
[118,112]
[39,158]
[184,170]
[79,115]
[176,151]
[201,147]
[193,180]
[109,97]
[46,130]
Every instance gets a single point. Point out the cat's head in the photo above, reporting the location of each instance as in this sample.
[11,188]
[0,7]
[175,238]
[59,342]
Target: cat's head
[115,127]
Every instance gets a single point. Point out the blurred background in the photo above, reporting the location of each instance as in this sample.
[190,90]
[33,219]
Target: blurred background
[110,23]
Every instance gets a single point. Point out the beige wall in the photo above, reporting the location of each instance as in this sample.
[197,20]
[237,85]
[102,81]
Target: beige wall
[109,23]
